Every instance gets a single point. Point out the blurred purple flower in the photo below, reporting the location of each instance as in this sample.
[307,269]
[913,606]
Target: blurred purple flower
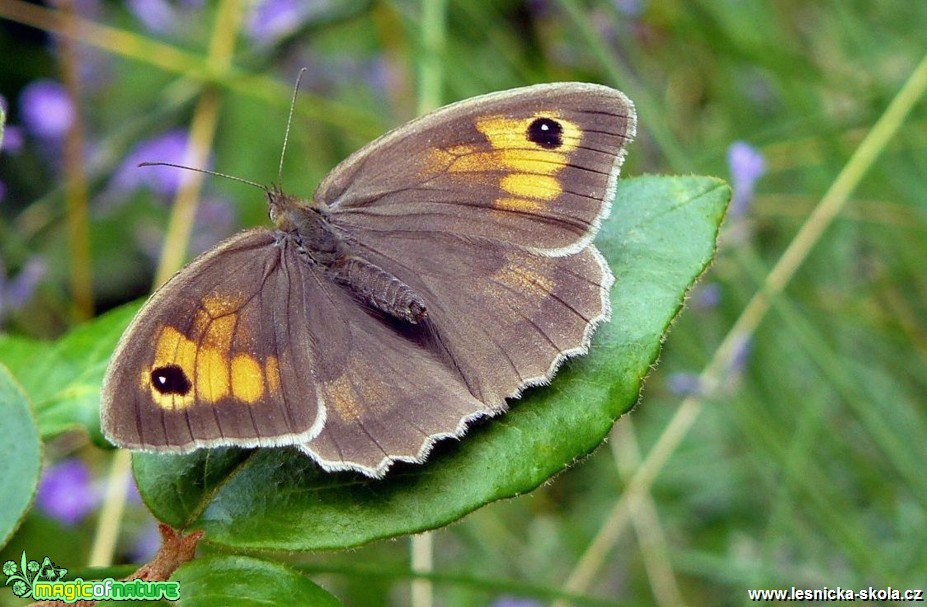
[132,495]
[706,296]
[157,16]
[747,165]
[66,492]
[12,139]
[511,601]
[19,291]
[630,8]
[147,543]
[380,74]
[15,293]
[270,20]
[46,109]
[169,147]
[163,16]
[539,8]
[741,355]
[684,383]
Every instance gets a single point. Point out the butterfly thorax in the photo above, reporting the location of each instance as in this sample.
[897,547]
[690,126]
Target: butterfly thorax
[306,225]
[323,245]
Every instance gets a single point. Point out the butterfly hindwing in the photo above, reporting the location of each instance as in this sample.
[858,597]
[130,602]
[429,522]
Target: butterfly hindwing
[388,395]
[505,317]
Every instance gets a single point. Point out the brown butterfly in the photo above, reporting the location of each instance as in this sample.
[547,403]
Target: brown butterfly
[435,273]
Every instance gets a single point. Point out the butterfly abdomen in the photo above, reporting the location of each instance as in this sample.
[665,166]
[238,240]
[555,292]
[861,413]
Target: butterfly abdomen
[376,287]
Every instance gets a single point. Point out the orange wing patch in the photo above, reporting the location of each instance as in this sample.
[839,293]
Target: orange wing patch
[202,367]
[527,279]
[349,399]
[529,168]
[518,276]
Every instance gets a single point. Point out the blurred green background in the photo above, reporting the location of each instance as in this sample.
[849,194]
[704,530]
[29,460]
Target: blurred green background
[798,460]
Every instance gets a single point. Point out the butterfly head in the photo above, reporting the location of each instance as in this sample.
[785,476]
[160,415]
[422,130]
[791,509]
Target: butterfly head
[289,213]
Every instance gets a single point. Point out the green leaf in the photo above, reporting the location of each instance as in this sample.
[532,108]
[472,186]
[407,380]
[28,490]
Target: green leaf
[228,581]
[659,239]
[179,486]
[22,462]
[63,378]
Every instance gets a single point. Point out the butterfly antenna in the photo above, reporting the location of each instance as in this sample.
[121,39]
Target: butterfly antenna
[204,171]
[289,122]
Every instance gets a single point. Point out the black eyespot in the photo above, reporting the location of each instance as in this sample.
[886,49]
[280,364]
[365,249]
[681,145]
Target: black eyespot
[546,132]
[170,379]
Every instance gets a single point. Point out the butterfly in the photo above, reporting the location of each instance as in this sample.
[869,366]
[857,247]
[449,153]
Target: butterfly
[435,273]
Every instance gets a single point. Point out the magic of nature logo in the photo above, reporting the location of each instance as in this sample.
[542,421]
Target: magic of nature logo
[44,581]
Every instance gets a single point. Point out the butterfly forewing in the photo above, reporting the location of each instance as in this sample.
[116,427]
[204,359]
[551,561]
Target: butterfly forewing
[534,167]
[215,360]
